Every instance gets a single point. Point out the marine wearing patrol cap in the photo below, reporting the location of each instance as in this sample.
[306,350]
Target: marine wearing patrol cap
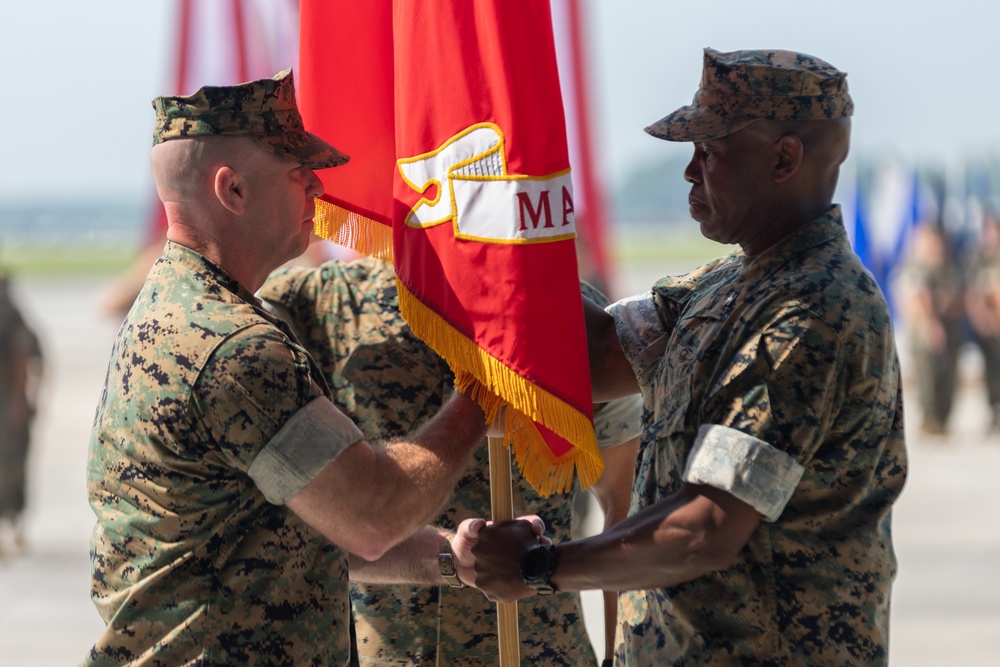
[264,110]
[740,87]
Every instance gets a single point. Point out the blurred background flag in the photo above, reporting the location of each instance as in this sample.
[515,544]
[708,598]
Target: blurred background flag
[569,21]
[899,201]
[452,114]
[856,214]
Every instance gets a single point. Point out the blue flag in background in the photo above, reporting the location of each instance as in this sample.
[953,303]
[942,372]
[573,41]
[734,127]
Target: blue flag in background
[858,230]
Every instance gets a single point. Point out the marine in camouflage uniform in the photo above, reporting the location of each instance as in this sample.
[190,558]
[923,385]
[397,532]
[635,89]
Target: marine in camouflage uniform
[215,424]
[191,563]
[772,447]
[931,286]
[773,377]
[390,382]
[779,381]
[983,307]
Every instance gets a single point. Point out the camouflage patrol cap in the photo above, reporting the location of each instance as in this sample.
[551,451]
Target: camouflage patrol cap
[263,110]
[740,87]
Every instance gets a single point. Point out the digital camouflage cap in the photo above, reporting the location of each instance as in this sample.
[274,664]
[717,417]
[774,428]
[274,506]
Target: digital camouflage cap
[264,110]
[740,87]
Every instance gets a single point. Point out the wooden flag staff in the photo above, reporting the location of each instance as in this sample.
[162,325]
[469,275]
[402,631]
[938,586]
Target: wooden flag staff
[503,510]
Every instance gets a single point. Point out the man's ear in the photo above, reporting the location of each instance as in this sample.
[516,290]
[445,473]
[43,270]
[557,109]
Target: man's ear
[230,190]
[790,153]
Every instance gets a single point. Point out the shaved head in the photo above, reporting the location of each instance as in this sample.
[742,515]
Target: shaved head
[198,179]
[823,146]
[826,142]
[235,201]
[184,169]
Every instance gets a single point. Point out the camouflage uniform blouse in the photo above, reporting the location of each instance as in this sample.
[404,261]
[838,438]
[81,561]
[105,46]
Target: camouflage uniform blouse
[776,379]
[204,413]
[391,382]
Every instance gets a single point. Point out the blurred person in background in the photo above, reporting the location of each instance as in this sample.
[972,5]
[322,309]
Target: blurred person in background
[116,297]
[982,303]
[20,375]
[931,289]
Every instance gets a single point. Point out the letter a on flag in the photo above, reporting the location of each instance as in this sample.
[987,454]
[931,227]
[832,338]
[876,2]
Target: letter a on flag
[452,115]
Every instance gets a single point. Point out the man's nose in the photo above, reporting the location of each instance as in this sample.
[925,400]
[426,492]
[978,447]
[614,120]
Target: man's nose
[691,172]
[315,188]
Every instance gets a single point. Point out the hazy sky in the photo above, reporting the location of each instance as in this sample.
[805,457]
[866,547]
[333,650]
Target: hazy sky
[80,76]
[924,80]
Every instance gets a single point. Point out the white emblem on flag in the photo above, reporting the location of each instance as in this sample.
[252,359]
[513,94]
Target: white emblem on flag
[484,202]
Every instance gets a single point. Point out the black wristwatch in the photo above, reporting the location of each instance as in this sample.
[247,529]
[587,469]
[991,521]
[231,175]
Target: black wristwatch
[537,565]
[446,564]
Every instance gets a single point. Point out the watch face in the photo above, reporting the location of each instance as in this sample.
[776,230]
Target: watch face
[536,564]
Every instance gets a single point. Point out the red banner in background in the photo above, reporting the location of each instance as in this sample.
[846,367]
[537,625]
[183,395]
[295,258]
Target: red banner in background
[451,112]
[569,19]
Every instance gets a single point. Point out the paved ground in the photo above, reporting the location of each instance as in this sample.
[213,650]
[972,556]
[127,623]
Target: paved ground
[946,607]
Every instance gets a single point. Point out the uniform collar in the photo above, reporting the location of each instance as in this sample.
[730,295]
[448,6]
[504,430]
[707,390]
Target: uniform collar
[207,270]
[826,228]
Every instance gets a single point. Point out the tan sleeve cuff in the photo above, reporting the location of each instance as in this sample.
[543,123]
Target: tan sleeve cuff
[640,334]
[314,436]
[750,469]
[618,421]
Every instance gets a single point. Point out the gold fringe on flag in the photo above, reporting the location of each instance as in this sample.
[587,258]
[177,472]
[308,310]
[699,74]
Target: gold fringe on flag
[493,385]
[352,230]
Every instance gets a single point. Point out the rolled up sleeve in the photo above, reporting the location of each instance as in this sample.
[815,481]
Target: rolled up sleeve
[750,469]
[618,421]
[310,440]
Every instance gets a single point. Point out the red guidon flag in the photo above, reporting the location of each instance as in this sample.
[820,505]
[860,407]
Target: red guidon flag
[452,115]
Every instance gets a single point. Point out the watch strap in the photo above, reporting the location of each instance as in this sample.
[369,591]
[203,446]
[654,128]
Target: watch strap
[446,564]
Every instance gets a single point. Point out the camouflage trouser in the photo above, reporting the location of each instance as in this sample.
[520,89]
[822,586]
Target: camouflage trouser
[990,348]
[13,469]
[936,374]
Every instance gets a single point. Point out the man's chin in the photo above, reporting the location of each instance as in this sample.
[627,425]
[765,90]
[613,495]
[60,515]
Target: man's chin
[701,215]
[706,229]
[307,231]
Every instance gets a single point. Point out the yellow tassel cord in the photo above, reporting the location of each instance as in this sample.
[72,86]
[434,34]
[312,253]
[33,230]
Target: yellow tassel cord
[493,385]
[352,230]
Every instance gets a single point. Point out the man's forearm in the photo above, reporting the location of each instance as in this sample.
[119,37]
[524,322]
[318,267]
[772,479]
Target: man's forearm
[676,540]
[413,561]
[422,471]
[369,499]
